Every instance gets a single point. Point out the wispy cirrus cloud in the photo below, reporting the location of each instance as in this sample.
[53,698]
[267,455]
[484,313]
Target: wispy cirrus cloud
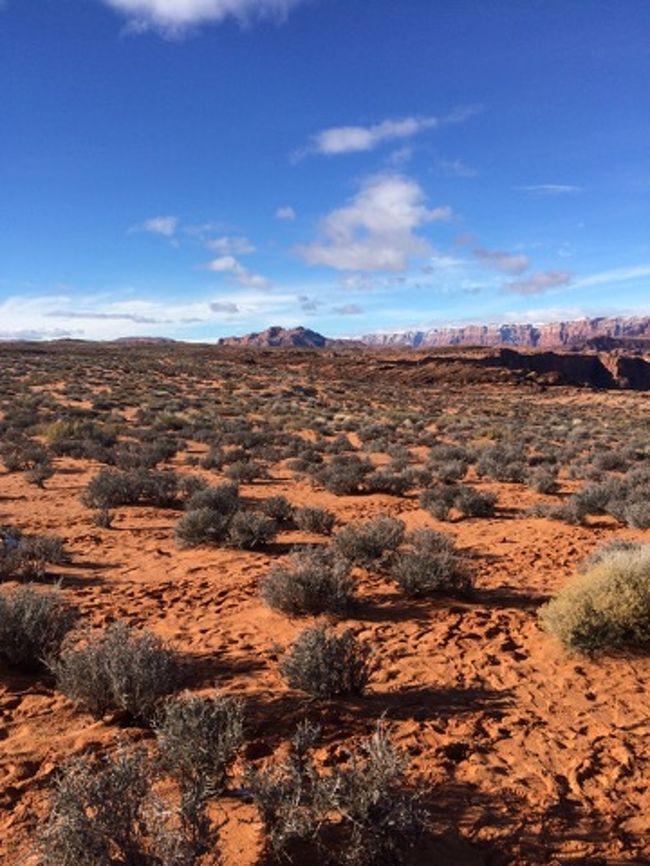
[615,275]
[177,17]
[337,140]
[540,282]
[376,230]
[551,189]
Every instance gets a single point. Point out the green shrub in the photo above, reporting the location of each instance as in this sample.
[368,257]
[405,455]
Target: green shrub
[202,526]
[249,530]
[608,608]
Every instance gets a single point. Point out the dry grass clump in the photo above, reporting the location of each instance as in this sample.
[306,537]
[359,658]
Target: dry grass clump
[608,608]
[119,670]
[33,626]
[27,557]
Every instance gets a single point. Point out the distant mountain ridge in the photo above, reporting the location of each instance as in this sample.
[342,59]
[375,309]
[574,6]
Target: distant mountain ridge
[602,334]
[598,333]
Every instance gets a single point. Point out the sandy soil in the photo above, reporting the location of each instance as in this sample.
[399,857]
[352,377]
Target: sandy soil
[530,756]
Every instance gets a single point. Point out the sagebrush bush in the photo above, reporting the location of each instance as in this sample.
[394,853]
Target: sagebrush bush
[326,665]
[362,543]
[33,626]
[441,499]
[198,739]
[318,520]
[249,530]
[223,498]
[313,581]
[119,670]
[27,557]
[608,608]
[381,819]
[107,811]
[430,564]
[279,508]
[202,526]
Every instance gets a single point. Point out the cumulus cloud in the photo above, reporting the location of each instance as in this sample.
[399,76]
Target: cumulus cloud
[337,140]
[230,246]
[285,213]
[160,225]
[551,189]
[376,230]
[508,263]
[230,265]
[175,17]
[537,284]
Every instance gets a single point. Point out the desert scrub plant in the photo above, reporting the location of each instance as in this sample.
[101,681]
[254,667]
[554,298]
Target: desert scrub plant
[606,549]
[608,608]
[291,797]
[313,581]
[543,479]
[27,557]
[106,811]
[279,508]
[221,497]
[198,739]
[363,543]
[33,626]
[250,530]
[202,526]
[344,475]
[119,670]
[318,520]
[441,499]
[327,665]
[381,816]
[503,463]
[430,564]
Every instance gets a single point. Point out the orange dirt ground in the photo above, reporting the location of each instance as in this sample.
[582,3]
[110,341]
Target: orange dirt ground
[531,756]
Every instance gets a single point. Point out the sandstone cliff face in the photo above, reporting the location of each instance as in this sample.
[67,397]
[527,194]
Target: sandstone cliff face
[555,335]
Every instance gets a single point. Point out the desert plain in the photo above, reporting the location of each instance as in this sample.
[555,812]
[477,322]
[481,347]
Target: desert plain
[524,752]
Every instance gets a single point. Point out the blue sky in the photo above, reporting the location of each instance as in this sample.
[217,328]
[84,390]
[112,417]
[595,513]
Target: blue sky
[197,168]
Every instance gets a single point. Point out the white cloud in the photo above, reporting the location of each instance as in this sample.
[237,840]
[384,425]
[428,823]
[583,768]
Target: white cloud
[509,263]
[230,246]
[174,17]
[160,225]
[537,284]
[551,189]
[224,307]
[357,282]
[456,168]
[376,230]
[356,139]
[230,265]
[286,213]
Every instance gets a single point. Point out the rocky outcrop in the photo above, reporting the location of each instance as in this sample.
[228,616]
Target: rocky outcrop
[554,335]
[279,337]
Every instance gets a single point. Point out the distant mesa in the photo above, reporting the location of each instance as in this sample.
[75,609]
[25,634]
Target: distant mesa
[601,334]
[598,334]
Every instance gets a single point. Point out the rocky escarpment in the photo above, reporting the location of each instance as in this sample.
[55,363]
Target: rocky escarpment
[576,334]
